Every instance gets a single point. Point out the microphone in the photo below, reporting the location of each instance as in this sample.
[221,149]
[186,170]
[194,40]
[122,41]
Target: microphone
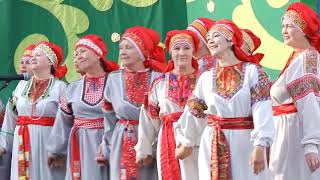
[24,76]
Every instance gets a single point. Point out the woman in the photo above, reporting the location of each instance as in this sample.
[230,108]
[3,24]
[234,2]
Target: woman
[79,123]
[166,100]
[295,98]
[229,114]
[30,115]
[201,26]
[25,66]
[125,93]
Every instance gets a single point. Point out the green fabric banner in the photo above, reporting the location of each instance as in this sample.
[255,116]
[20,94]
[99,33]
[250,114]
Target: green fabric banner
[64,22]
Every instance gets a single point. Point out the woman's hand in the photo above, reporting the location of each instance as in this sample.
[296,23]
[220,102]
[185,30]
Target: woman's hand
[2,152]
[313,161]
[55,161]
[257,159]
[182,152]
[147,161]
[101,160]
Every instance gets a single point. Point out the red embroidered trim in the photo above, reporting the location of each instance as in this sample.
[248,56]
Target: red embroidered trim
[153,110]
[261,91]
[197,107]
[64,106]
[205,62]
[93,90]
[180,88]
[299,88]
[128,167]
[220,155]
[136,86]
[227,81]
[106,105]
[75,148]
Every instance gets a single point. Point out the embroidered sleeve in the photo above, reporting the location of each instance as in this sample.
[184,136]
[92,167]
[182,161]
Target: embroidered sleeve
[303,86]
[311,62]
[197,107]
[153,110]
[12,104]
[261,90]
[106,106]
[64,106]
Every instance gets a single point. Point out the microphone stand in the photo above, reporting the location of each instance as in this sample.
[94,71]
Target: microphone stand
[6,83]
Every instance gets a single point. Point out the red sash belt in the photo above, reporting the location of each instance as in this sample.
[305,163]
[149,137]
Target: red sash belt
[128,167]
[24,142]
[220,155]
[170,168]
[80,123]
[284,109]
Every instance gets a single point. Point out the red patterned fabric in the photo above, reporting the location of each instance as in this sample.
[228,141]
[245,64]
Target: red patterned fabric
[93,92]
[201,27]
[261,91]
[179,88]
[106,105]
[24,142]
[303,86]
[205,62]
[284,109]
[75,149]
[128,168]
[153,110]
[136,86]
[228,80]
[253,42]
[64,106]
[170,168]
[220,153]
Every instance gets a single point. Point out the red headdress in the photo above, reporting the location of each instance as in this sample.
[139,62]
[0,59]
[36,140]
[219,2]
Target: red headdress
[97,45]
[181,36]
[146,41]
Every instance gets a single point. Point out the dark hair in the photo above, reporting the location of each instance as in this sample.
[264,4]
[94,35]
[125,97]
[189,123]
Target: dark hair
[52,70]
[103,65]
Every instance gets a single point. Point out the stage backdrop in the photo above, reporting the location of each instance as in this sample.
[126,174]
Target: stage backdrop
[64,21]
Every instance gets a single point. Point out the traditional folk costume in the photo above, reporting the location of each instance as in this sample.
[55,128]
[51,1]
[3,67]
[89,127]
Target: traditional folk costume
[79,127]
[295,97]
[5,160]
[166,100]
[123,97]
[29,117]
[201,26]
[228,115]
